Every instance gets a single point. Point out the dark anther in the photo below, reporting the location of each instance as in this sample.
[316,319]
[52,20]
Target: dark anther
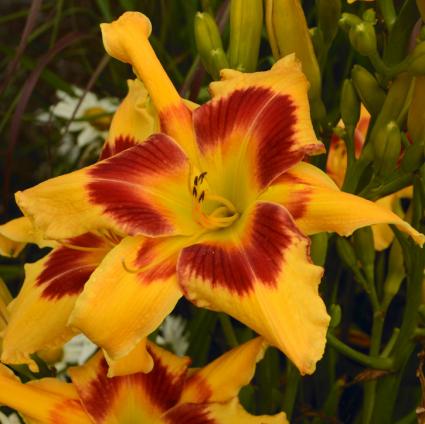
[195,192]
[202,196]
[202,176]
[195,181]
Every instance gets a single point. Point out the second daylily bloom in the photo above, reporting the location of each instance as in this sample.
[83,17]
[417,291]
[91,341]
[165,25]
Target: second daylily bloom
[216,207]
[170,394]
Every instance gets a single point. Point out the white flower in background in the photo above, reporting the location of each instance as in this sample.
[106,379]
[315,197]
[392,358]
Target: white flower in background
[100,110]
[172,334]
[76,351]
[11,419]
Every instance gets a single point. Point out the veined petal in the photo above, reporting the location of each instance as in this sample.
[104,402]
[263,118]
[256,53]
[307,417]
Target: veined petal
[259,272]
[139,397]
[129,294]
[47,401]
[218,413]
[316,209]
[221,380]
[15,234]
[134,121]
[142,190]
[256,127]
[126,39]
[38,316]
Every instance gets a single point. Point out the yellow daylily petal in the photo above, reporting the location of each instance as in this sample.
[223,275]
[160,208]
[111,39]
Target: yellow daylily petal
[129,294]
[39,315]
[134,121]
[142,190]
[126,39]
[15,234]
[48,401]
[259,272]
[317,209]
[139,397]
[221,380]
[219,413]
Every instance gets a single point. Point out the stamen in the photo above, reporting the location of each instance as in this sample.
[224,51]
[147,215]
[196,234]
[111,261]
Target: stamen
[201,197]
[195,192]
[195,181]
[202,176]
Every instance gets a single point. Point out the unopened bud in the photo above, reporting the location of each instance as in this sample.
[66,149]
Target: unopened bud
[370,92]
[413,157]
[350,105]
[387,147]
[363,38]
[416,61]
[209,45]
[319,248]
[395,273]
[328,14]
[346,252]
[246,22]
[365,251]
[336,314]
[416,113]
[348,20]
[369,15]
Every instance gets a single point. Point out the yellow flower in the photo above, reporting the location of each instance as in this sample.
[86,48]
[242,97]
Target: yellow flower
[170,394]
[216,207]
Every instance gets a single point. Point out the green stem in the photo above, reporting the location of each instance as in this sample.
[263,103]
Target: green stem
[376,362]
[229,332]
[292,382]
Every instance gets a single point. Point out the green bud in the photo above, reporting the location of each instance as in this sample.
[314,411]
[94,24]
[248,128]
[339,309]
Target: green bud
[318,41]
[246,22]
[395,273]
[209,45]
[319,248]
[387,147]
[416,61]
[365,251]
[370,92]
[336,314]
[363,38]
[328,14]
[369,15]
[350,105]
[413,158]
[346,252]
[348,20]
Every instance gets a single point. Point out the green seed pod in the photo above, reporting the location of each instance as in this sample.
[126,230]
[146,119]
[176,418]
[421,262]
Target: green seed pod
[365,251]
[288,33]
[209,45]
[413,158]
[246,22]
[387,147]
[346,252]
[363,38]
[328,14]
[350,105]
[319,248]
[368,89]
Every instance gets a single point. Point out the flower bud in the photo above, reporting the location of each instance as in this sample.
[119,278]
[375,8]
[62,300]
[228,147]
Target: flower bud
[209,45]
[350,105]
[387,147]
[416,113]
[319,248]
[363,38]
[413,158]
[346,252]
[246,22]
[365,251]
[348,20]
[368,89]
[416,61]
[336,314]
[288,33]
[395,273]
[328,14]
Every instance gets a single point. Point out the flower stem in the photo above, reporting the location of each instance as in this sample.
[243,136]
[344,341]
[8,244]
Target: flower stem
[229,332]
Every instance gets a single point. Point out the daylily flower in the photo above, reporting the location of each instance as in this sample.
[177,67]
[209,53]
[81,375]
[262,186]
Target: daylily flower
[336,167]
[216,207]
[39,315]
[170,394]
[92,116]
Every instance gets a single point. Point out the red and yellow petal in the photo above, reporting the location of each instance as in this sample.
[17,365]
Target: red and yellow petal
[221,380]
[129,295]
[256,127]
[15,234]
[142,190]
[38,316]
[317,208]
[259,272]
[126,39]
[134,121]
[46,401]
[138,397]
[218,413]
